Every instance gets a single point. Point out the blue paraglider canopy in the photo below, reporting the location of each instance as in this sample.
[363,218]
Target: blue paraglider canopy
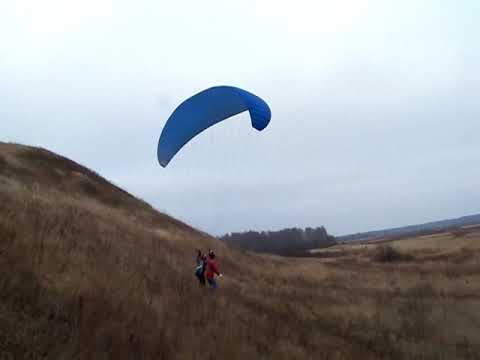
[205,109]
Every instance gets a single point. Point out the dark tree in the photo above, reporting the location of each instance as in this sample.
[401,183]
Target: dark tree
[291,241]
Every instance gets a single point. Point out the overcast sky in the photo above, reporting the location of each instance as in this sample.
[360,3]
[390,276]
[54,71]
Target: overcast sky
[375,105]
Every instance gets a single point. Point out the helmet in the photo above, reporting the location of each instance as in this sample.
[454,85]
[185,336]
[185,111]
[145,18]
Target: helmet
[211,254]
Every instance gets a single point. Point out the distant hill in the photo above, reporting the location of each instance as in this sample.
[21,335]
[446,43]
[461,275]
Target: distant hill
[414,230]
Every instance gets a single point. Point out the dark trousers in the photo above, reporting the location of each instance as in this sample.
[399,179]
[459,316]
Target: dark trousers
[200,274]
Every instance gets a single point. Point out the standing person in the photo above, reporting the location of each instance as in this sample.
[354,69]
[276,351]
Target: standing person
[212,270]
[200,268]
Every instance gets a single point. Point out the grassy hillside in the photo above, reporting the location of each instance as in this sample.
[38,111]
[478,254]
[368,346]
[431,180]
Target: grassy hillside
[88,271]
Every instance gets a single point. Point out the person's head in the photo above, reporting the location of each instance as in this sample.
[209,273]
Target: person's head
[211,254]
[199,252]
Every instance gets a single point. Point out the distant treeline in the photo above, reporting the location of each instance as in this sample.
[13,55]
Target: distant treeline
[293,241]
[414,230]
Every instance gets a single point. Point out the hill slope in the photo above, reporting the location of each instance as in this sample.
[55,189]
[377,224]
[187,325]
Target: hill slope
[88,271]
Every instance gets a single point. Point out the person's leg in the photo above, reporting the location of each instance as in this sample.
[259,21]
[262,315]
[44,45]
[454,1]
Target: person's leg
[212,282]
[200,277]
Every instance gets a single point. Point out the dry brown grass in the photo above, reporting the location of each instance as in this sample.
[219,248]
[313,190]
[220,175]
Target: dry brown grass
[99,277]
[387,254]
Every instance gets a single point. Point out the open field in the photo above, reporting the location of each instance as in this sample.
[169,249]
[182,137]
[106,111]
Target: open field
[90,272]
[424,246]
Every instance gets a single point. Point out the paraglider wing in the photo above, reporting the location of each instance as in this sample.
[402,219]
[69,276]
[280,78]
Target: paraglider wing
[204,110]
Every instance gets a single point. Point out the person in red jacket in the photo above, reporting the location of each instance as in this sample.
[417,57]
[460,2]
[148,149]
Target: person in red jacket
[212,270]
